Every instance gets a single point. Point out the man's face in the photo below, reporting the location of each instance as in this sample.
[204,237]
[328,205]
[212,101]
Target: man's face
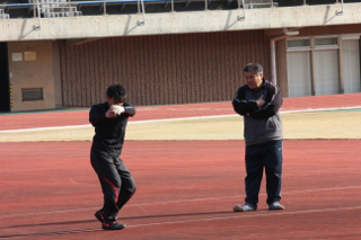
[112,101]
[253,80]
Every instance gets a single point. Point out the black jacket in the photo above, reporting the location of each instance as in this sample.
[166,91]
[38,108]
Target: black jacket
[260,124]
[109,132]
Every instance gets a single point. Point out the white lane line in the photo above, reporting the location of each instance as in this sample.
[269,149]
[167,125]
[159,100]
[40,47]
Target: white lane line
[179,201]
[41,234]
[174,119]
[245,215]
[258,214]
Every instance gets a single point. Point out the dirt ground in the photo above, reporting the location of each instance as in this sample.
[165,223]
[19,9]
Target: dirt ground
[311,125]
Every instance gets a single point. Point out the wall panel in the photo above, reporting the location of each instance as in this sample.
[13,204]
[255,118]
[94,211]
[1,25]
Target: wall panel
[161,69]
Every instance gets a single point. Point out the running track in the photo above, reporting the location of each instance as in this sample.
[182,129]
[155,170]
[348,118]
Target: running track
[186,190]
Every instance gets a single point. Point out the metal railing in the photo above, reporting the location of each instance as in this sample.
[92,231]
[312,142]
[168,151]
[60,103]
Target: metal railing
[4,15]
[56,8]
[71,8]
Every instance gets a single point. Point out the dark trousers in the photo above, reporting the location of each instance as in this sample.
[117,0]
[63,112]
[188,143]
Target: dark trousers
[116,181]
[266,156]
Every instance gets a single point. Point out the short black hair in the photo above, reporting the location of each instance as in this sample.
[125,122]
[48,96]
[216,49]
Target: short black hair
[117,92]
[253,67]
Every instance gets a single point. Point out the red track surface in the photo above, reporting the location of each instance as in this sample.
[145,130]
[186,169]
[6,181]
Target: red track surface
[186,190]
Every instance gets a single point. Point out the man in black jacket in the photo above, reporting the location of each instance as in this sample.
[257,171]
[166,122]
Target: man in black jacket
[259,102]
[110,120]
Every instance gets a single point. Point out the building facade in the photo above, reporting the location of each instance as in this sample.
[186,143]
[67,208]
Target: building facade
[173,52]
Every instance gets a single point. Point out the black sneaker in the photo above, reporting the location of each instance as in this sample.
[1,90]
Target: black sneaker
[112,225]
[100,216]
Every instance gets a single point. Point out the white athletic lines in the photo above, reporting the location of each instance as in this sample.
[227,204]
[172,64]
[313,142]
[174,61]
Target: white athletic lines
[47,234]
[44,128]
[131,122]
[320,190]
[176,119]
[50,212]
[183,201]
[256,214]
[320,109]
[241,196]
[191,200]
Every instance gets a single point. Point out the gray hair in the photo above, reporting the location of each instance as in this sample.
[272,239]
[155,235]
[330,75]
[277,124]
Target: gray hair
[253,67]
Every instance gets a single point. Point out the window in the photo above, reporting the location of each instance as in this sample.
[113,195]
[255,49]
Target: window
[325,41]
[298,43]
[323,65]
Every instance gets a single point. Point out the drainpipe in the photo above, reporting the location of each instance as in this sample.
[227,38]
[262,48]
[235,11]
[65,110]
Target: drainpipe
[36,2]
[241,18]
[338,13]
[286,34]
[141,23]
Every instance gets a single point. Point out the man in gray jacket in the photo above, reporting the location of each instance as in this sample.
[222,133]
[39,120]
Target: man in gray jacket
[259,102]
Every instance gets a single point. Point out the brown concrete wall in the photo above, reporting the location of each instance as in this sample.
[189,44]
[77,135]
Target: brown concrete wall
[31,66]
[160,70]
